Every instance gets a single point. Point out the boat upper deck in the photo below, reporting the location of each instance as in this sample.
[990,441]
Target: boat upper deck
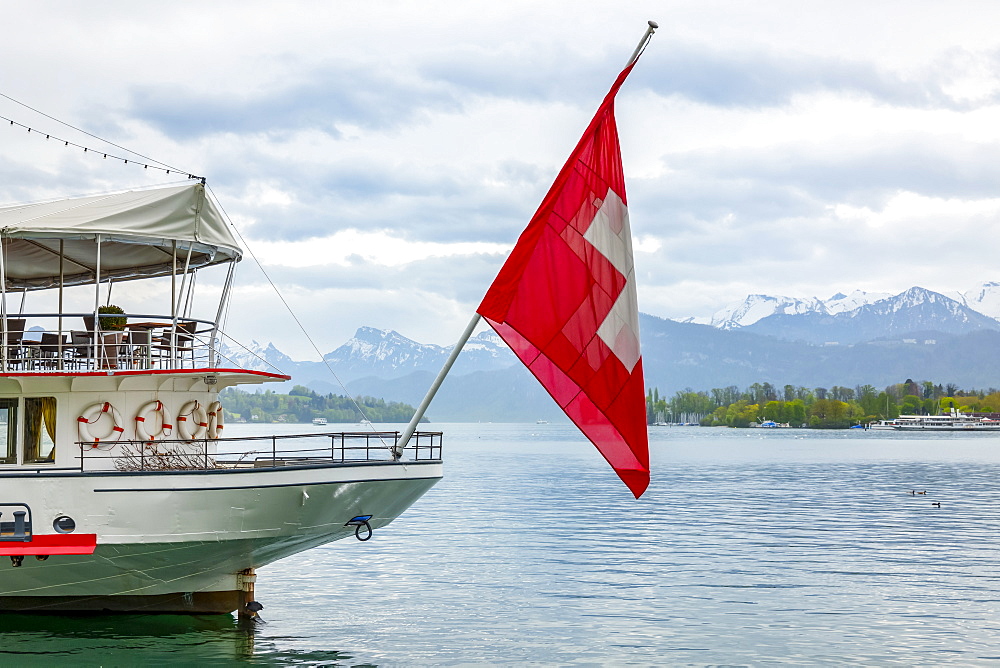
[79,343]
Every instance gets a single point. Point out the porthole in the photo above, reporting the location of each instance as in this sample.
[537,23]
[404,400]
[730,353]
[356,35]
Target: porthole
[64,524]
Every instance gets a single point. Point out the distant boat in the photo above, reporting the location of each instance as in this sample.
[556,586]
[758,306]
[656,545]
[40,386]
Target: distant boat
[541,421]
[771,424]
[319,422]
[954,421]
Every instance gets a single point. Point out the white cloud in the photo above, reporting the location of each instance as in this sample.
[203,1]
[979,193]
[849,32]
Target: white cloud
[934,215]
[374,247]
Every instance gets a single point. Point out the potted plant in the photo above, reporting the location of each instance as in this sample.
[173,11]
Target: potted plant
[112,323]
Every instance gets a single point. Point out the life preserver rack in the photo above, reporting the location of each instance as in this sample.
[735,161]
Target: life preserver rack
[92,415]
[216,421]
[142,430]
[192,421]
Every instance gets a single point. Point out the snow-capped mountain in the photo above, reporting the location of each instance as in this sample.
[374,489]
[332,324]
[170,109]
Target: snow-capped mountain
[389,354]
[757,307]
[257,357]
[386,351]
[840,303]
[984,298]
[915,312]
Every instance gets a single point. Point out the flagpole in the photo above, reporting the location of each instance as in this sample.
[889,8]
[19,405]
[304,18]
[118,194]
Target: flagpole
[653,25]
[397,451]
[404,439]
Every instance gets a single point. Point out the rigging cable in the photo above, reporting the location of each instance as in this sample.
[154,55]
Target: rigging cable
[161,166]
[298,322]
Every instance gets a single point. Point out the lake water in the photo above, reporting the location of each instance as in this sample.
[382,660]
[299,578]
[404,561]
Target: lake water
[751,547]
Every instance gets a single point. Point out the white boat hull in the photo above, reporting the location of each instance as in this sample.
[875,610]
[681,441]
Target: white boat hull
[955,427]
[178,541]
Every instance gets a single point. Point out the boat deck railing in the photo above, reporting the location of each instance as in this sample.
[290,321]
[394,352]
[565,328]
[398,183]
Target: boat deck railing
[255,452]
[70,342]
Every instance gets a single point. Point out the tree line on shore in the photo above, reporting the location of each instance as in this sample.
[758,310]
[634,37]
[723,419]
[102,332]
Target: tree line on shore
[825,408]
[303,405]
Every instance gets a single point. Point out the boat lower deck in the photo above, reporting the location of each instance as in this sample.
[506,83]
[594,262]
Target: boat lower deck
[179,541]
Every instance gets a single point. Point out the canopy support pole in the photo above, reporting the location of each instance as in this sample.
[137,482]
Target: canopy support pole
[3,301]
[223,299]
[397,451]
[62,277]
[183,292]
[97,294]
[173,305]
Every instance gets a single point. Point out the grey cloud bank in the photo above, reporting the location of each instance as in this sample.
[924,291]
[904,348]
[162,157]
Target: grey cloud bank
[778,148]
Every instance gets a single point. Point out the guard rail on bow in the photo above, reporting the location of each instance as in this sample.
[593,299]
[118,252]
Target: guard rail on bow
[256,452]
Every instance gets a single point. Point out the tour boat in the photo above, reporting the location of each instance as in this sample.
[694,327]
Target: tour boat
[120,492]
[954,421]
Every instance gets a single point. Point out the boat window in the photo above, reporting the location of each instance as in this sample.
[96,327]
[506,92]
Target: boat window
[39,429]
[8,431]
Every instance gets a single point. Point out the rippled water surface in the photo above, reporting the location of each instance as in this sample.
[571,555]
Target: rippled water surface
[750,547]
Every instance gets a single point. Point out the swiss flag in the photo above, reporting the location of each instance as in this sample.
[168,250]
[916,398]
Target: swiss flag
[565,300]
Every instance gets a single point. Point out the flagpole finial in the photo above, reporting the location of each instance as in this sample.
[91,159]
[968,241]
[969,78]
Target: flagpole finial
[653,25]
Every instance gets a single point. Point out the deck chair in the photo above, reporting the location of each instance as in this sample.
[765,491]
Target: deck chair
[50,350]
[138,346]
[14,348]
[81,348]
[184,342]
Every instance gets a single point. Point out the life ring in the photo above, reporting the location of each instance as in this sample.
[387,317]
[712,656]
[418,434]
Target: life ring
[93,415]
[192,421]
[216,422]
[143,432]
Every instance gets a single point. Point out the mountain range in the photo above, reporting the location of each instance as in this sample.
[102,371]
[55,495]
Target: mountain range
[849,339]
[984,298]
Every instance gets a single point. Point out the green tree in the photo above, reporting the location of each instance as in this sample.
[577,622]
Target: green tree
[947,404]
[829,413]
[774,410]
[795,412]
[912,405]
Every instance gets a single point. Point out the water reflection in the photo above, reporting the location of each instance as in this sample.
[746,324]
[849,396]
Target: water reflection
[802,548]
[152,640]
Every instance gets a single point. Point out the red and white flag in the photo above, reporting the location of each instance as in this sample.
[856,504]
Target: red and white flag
[565,300]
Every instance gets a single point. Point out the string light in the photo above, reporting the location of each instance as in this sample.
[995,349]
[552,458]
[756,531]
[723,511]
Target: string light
[86,149]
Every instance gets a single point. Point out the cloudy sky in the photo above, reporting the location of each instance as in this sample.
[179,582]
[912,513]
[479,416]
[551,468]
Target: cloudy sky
[380,158]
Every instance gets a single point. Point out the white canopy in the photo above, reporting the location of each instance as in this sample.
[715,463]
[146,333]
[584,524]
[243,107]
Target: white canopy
[140,233]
